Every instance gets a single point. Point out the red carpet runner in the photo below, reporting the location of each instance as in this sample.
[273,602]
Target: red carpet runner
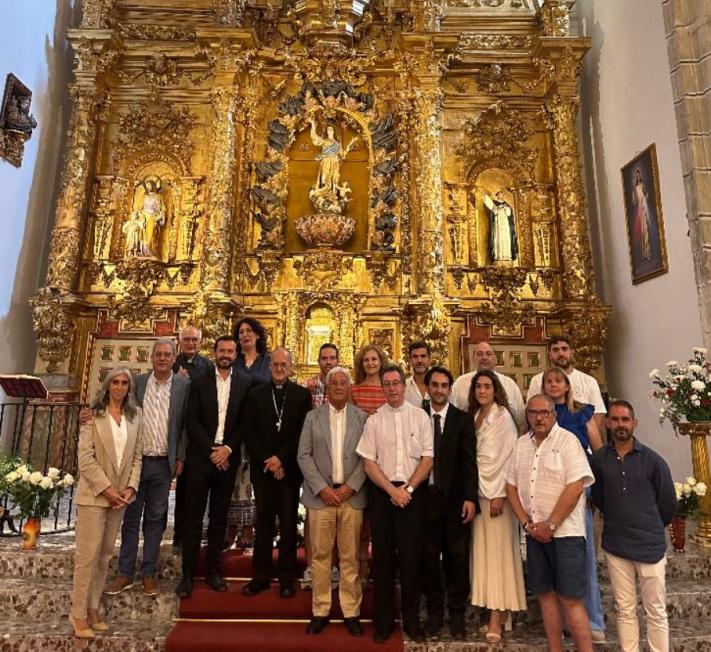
[264,623]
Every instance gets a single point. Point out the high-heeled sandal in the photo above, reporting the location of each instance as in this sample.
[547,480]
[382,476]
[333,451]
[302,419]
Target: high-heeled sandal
[80,632]
[493,638]
[99,626]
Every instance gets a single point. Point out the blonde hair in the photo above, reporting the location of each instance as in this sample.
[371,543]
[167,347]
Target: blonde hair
[570,402]
[358,365]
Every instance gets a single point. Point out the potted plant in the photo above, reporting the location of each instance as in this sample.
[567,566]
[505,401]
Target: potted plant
[32,493]
[684,390]
[688,494]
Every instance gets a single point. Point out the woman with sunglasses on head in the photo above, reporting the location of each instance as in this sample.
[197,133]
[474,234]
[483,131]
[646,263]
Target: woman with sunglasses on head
[497,570]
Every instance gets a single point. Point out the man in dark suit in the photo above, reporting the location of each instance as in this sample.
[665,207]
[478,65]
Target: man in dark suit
[273,419]
[450,505]
[163,397]
[189,364]
[210,466]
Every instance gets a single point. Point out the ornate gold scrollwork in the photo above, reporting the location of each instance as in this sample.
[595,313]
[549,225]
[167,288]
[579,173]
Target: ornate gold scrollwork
[53,326]
[428,320]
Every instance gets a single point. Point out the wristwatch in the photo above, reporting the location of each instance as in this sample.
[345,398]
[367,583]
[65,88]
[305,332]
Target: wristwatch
[410,489]
[552,526]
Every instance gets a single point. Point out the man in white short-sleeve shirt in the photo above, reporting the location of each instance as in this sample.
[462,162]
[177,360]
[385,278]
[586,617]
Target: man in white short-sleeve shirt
[398,450]
[585,387]
[545,484]
[485,358]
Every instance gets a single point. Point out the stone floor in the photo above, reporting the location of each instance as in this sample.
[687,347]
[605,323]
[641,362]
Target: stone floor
[35,596]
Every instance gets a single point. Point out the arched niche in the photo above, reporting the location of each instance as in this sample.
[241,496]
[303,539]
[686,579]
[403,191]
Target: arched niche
[355,169]
[319,328]
[496,185]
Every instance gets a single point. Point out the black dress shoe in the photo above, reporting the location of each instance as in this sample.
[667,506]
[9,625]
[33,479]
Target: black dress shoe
[185,587]
[317,624]
[433,627]
[381,637]
[287,590]
[456,627]
[415,634]
[215,582]
[353,626]
[253,587]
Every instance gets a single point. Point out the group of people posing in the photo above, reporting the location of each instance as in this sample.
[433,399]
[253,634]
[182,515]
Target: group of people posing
[437,477]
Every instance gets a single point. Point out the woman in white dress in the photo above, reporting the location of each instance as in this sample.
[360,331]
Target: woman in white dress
[497,570]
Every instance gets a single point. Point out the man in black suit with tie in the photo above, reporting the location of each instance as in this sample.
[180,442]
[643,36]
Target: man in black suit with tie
[210,466]
[273,419]
[450,505]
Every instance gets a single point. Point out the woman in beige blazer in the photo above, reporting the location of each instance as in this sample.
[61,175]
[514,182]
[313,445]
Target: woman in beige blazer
[110,453]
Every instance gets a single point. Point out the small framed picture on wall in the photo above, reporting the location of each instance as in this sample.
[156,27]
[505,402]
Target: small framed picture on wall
[643,214]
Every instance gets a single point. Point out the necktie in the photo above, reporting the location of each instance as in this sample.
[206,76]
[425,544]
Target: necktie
[437,448]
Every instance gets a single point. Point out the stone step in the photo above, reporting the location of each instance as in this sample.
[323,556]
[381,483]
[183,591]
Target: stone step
[54,558]
[38,600]
[127,635]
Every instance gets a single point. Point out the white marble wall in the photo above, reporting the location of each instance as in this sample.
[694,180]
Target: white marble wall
[627,105]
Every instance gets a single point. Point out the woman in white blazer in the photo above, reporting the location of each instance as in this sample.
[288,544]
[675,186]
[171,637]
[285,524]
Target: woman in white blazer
[110,453]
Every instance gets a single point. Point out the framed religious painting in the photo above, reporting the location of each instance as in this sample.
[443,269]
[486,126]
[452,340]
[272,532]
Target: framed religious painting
[643,215]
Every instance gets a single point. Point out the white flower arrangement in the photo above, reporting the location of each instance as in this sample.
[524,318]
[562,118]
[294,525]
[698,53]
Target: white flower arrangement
[684,390]
[687,495]
[32,492]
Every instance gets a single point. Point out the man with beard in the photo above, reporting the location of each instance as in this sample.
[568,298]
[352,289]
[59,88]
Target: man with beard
[451,502]
[635,493]
[327,360]
[210,466]
[415,387]
[585,387]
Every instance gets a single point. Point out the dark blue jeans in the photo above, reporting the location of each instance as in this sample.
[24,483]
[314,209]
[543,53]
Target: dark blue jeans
[152,504]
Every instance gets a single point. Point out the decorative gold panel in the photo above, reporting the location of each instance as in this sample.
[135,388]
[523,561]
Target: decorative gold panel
[344,171]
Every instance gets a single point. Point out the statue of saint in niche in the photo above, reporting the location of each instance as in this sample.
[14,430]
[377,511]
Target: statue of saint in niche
[329,194]
[503,243]
[142,229]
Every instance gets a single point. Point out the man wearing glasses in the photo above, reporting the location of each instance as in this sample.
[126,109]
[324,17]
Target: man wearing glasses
[545,484]
[397,449]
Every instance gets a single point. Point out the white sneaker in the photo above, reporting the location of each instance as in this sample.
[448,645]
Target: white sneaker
[598,636]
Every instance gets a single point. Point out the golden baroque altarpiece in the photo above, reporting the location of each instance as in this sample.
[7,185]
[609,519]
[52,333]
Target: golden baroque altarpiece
[344,170]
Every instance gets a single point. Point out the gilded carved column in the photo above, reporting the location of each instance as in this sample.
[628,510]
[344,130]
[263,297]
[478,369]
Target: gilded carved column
[72,201]
[428,142]
[216,257]
[578,276]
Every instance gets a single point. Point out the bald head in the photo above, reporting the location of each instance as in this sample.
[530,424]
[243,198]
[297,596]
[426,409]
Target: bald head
[484,357]
[280,365]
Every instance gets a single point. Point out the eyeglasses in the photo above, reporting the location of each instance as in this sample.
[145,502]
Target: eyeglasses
[391,383]
[544,414]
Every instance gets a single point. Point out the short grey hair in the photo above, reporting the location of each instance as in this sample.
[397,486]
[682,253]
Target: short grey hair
[164,340]
[390,368]
[338,370]
[195,328]
[544,397]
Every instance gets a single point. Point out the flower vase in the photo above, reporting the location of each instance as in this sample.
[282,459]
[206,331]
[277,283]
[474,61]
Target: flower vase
[677,533]
[31,532]
[698,431]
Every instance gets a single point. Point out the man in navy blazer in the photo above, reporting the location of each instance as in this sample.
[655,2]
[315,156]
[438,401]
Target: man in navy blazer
[211,464]
[163,397]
